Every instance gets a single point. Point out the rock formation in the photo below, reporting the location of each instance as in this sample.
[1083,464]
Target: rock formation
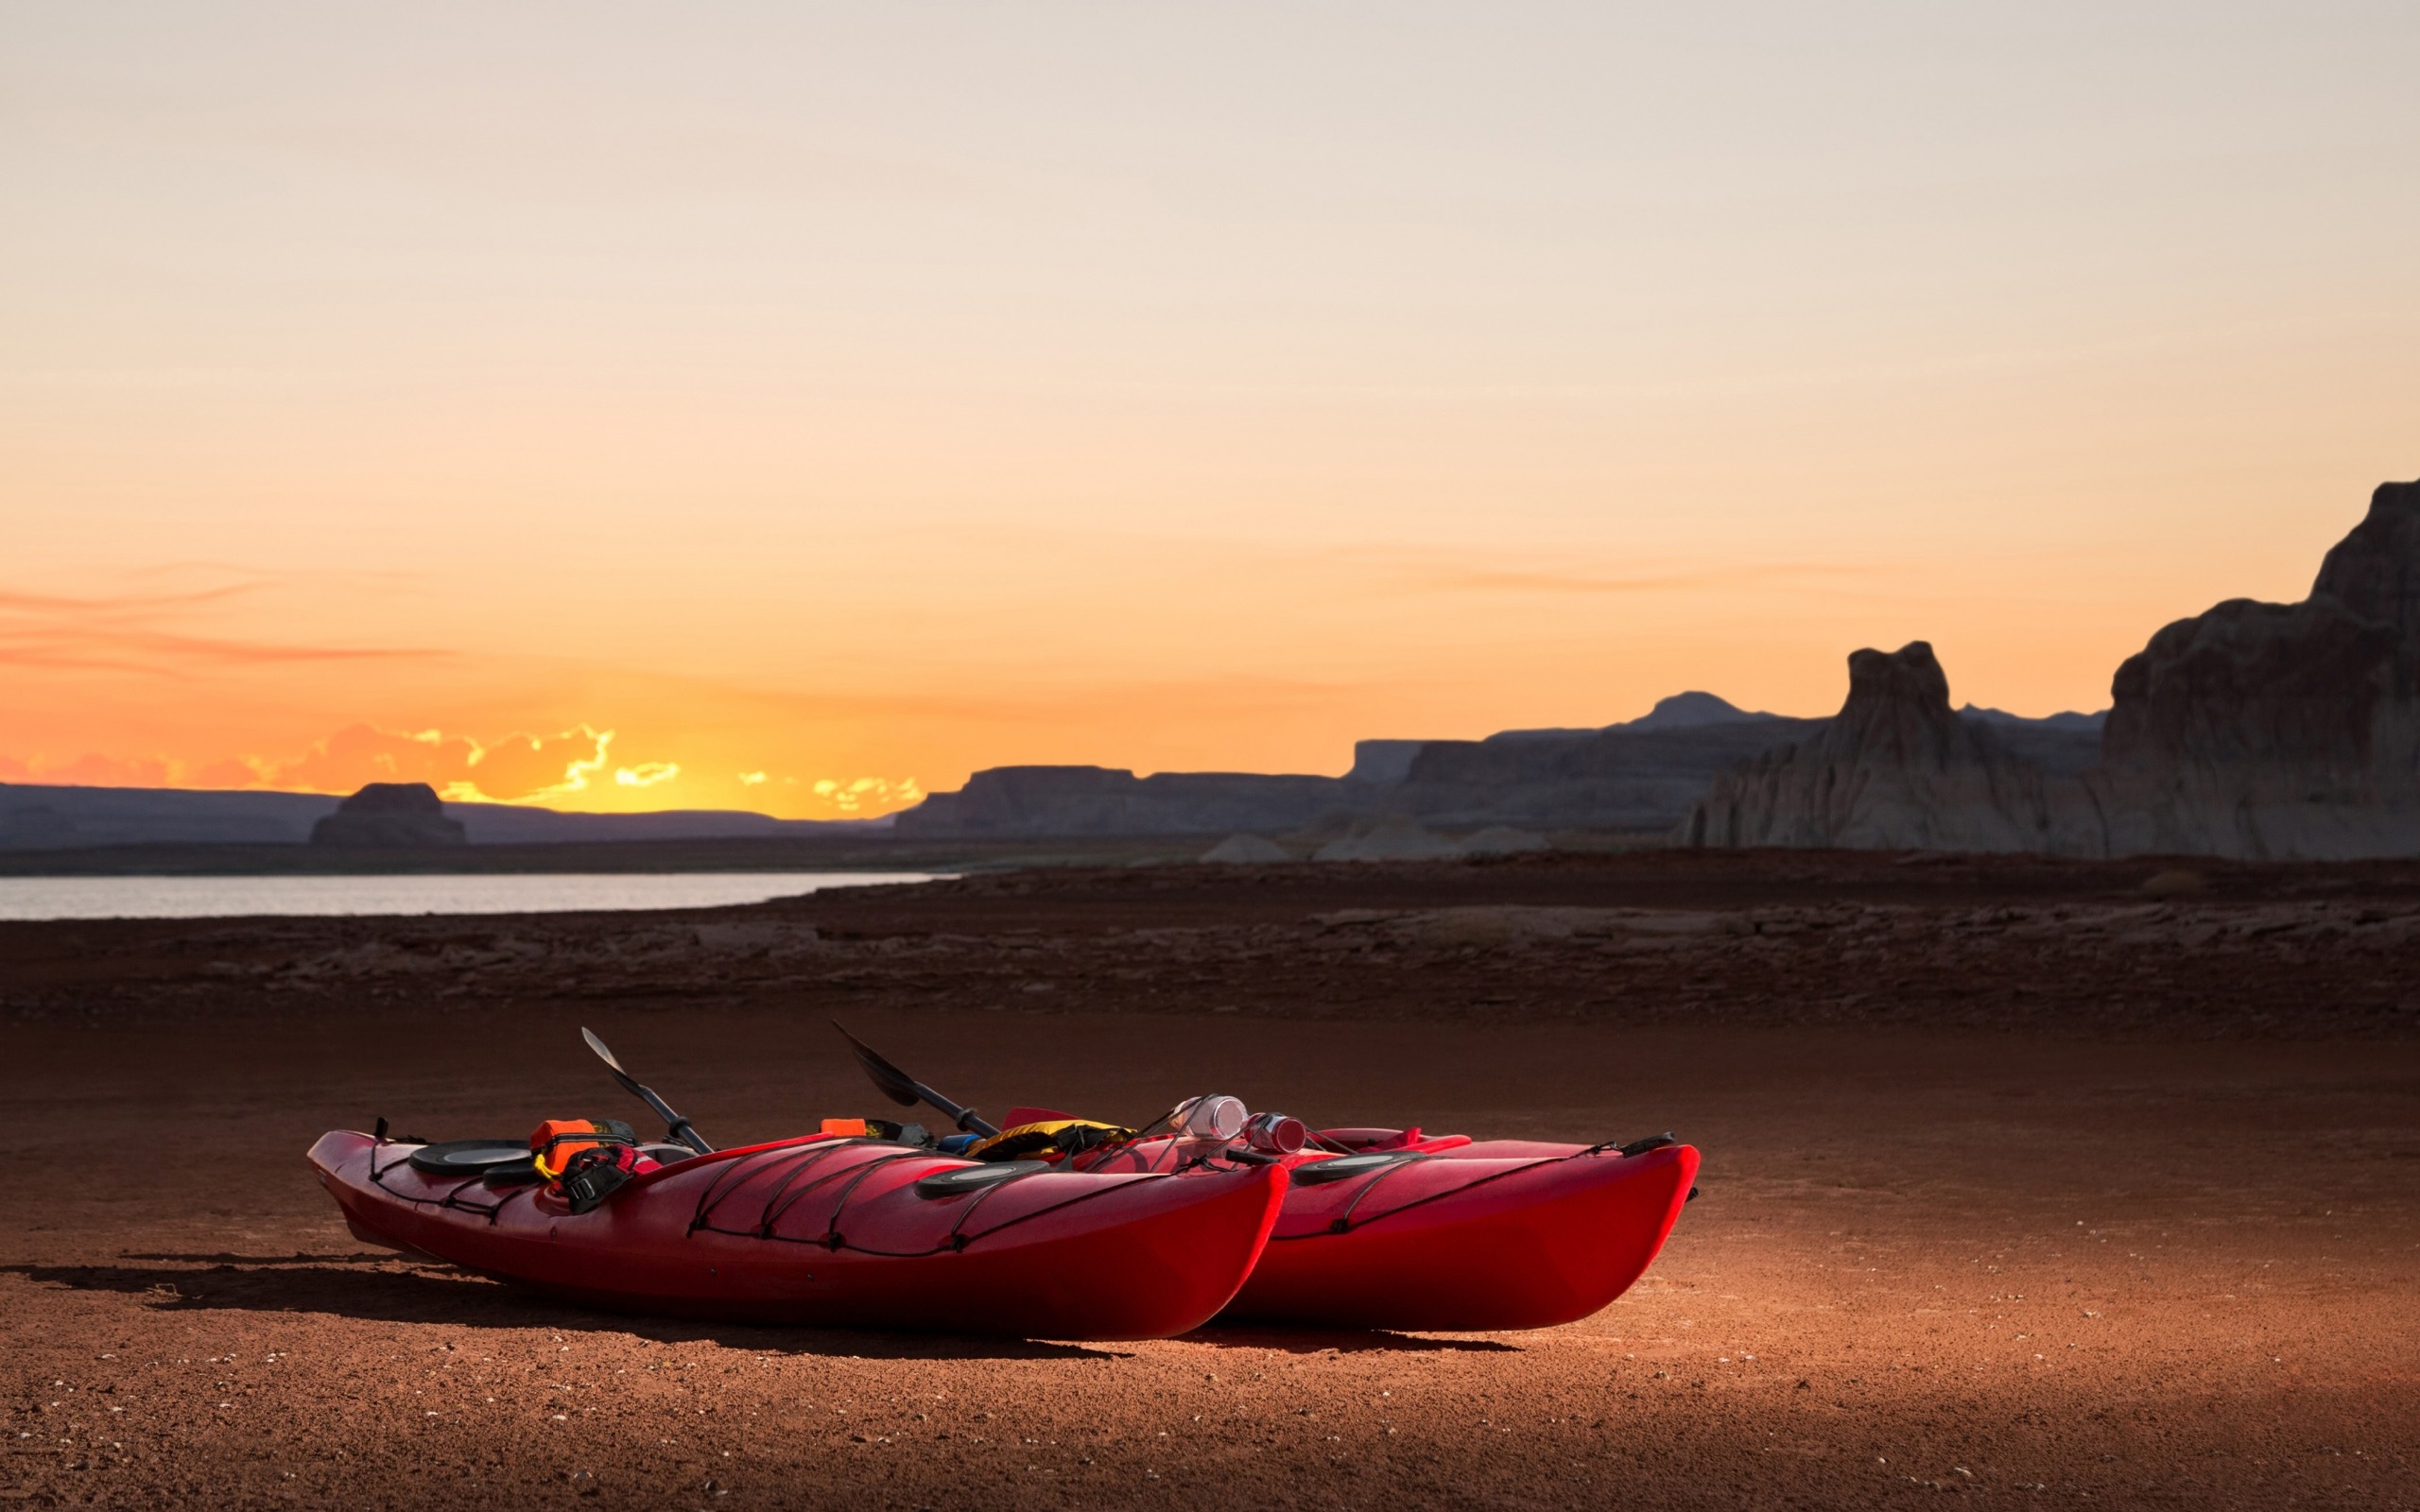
[1382,762]
[1895,768]
[2254,731]
[1681,711]
[389,816]
[36,816]
[1621,777]
[54,817]
[1040,800]
[2064,743]
[36,827]
[2281,730]
[1688,710]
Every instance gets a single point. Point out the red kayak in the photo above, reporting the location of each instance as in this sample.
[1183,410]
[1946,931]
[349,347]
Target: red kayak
[833,1232]
[1402,1231]
[1431,1234]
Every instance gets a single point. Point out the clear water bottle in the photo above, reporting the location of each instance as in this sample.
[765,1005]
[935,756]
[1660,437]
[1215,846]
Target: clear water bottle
[1210,1118]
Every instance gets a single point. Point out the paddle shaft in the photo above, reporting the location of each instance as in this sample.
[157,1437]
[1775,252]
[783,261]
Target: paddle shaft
[681,1127]
[965,1118]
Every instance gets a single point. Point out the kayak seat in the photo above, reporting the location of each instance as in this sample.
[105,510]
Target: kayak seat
[1372,1141]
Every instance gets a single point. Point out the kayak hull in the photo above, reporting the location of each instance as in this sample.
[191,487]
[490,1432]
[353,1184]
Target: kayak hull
[831,1233]
[1467,1239]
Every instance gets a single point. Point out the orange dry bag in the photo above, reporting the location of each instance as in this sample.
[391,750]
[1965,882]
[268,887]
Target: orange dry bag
[557,1140]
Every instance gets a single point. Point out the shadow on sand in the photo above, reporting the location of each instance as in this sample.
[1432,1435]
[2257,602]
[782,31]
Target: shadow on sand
[380,1288]
[377,1286]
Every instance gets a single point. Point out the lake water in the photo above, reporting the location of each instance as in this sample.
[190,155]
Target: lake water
[492,893]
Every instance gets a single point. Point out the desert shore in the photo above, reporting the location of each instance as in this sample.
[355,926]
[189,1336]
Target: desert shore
[2021,1182]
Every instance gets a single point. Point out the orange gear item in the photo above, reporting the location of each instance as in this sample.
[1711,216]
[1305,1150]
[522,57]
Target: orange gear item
[555,1142]
[854,1129]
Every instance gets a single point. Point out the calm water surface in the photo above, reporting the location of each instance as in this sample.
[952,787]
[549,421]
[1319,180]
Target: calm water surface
[517,893]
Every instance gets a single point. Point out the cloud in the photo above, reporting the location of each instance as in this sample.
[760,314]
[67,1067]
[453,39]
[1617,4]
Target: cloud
[647,774]
[751,779]
[1455,578]
[517,769]
[140,632]
[853,796]
[92,769]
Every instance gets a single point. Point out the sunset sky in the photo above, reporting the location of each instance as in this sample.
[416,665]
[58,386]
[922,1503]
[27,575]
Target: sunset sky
[796,407]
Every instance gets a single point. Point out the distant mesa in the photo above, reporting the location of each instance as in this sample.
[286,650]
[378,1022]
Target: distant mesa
[1103,801]
[36,827]
[1687,711]
[390,817]
[42,817]
[1621,777]
[38,817]
[1642,775]
[1681,711]
[1381,762]
[2064,743]
[2070,720]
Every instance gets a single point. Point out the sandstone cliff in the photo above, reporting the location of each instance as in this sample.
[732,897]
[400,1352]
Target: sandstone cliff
[1895,768]
[2281,730]
[1636,776]
[2254,731]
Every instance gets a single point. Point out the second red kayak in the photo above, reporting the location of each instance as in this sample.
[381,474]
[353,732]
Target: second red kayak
[1418,1232]
[1497,1235]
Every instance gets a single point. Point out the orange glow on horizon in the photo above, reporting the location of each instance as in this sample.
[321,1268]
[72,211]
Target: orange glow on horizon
[572,770]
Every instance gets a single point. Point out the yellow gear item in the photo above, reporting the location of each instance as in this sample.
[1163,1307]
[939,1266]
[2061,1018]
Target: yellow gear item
[1055,1137]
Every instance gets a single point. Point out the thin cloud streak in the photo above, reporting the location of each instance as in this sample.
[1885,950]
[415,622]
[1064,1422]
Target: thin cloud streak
[117,606]
[133,633]
[1447,578]
[149,652]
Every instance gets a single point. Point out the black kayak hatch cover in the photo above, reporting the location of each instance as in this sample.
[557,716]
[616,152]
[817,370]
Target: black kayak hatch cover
[468,1157]
[960,1179]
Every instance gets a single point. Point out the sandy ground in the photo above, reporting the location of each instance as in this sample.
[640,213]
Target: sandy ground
[2125,1237]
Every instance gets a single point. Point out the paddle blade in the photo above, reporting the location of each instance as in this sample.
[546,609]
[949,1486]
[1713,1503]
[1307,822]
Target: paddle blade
[630,1083]
[602,1053]
[888,1079]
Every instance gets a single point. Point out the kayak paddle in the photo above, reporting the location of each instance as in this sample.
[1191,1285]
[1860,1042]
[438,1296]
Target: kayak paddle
[679,1126]
[908,1092]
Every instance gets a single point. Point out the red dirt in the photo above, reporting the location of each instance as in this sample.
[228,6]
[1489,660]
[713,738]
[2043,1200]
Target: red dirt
[2160,1253]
